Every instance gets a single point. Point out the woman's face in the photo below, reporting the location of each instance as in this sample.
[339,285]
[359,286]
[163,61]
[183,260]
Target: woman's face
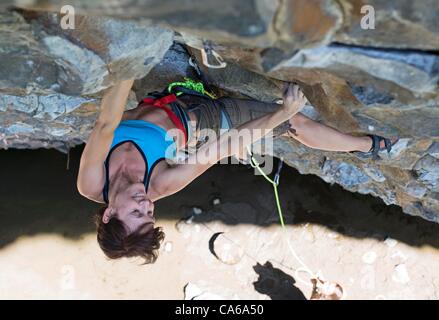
[131,206]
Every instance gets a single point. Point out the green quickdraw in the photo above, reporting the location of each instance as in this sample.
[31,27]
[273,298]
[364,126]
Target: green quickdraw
[192,85]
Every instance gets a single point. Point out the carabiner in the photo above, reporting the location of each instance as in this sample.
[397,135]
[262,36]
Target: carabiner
[279,168]
[207,49]
[194,65]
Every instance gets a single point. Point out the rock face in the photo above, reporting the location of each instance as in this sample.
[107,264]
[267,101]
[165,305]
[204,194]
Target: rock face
[51,78]
[382,80]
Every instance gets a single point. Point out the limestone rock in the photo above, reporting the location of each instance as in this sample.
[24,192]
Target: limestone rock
[100,51]
[382,81]
[25,65]
[48,73]
[401,24]
[434,150]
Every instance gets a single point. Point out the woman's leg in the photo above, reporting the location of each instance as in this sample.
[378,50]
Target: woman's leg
[310,133]
[307,131]
[318,136]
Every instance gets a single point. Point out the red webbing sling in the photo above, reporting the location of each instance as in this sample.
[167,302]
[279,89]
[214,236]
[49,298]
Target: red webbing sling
[161,103]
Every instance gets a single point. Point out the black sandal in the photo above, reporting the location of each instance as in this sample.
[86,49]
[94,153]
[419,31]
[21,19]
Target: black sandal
[376,147]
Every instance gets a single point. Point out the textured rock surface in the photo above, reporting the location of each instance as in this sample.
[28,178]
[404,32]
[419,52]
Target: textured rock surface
[382,81]
[51,78]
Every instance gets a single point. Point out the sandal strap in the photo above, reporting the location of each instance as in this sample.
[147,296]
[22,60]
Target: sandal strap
[373,153]
[376,145]
[388,144]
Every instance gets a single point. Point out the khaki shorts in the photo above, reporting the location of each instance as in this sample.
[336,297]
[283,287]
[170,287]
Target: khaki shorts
[221,115]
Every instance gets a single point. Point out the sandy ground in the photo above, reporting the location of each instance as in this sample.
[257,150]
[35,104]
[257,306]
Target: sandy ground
[48,247]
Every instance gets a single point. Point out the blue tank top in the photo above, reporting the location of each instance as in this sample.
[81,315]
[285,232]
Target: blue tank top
[152,141]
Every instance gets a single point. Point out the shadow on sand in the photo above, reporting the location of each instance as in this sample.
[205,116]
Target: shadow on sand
[276,284]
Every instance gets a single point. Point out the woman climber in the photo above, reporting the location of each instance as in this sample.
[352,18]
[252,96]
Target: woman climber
[128,161]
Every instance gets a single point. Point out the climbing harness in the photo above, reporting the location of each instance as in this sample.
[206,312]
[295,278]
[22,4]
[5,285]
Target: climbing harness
[161,104]
[169,96]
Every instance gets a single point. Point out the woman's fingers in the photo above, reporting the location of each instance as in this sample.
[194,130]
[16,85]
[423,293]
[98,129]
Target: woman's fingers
[286,88]
[294,92]
[289,89]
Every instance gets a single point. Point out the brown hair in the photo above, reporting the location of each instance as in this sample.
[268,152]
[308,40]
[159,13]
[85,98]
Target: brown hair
[116,242]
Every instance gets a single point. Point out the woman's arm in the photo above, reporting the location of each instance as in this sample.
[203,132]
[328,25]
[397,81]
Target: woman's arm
[91,176]
[231,143]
